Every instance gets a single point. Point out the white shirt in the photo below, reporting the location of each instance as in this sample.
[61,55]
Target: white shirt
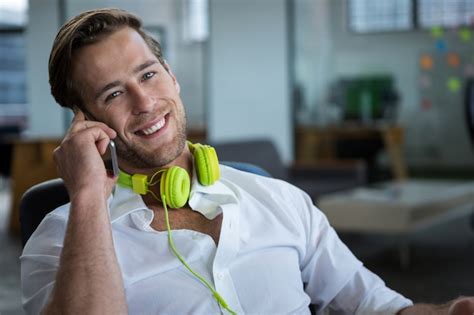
[276,255]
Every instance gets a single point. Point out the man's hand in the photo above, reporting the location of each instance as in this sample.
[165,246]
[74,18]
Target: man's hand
[462,306]
[78,158]
[459,306]
[88,280]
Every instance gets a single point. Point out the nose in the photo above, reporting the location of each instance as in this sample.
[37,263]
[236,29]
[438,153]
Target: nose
[142,100]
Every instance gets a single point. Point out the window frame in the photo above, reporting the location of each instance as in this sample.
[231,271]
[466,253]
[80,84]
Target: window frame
[414,19]
[10,113]
[374,32]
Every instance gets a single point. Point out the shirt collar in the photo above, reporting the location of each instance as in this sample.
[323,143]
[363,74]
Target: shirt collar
[206,200]
[124,201]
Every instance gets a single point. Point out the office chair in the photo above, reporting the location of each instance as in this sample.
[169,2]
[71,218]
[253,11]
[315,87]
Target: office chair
[46,196]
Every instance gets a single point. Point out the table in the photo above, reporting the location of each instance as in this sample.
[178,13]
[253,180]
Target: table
[32,163]
[398,208]
[313,143]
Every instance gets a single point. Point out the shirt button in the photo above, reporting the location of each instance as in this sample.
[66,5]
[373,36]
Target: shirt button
[220,276]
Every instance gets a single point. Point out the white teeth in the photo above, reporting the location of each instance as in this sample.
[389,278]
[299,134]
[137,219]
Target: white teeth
[154,128]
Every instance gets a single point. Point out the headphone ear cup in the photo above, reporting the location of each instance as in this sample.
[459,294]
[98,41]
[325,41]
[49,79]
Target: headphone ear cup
[207,164]
[175,186]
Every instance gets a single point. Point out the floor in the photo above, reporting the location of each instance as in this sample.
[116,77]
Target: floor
[441,267]
[10,292]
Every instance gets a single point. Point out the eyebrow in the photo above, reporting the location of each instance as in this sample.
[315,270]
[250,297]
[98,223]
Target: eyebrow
[113,84]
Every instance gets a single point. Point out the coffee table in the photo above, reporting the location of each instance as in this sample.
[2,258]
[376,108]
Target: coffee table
[398,208]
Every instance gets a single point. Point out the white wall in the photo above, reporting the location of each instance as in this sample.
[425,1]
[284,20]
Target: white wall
[46,119]
[313,48]
[249,80]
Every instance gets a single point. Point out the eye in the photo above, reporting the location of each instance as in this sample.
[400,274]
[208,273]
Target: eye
[148,75]
[112,95]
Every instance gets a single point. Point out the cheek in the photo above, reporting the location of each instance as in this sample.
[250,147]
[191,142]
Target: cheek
[116,120]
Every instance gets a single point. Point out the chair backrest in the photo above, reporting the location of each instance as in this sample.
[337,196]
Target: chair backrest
[260,152]
[37,202]
[44,197]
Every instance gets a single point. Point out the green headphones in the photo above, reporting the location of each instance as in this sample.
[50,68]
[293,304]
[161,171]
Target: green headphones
[175,183]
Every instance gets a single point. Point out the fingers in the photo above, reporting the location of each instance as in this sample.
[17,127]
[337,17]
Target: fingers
[78,116]
[94,135]
[88,135]
[462,306]
[102,145]
[80,122]
[82,151]
[79,155]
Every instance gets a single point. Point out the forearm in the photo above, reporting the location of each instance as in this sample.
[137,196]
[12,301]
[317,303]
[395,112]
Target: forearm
[459,306]
[88,280]
[425,309]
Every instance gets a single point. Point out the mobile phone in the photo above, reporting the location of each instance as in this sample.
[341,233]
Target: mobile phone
[110,159]
[110,155]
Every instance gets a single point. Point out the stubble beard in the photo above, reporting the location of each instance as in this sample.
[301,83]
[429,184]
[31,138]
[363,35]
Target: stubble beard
[138,157]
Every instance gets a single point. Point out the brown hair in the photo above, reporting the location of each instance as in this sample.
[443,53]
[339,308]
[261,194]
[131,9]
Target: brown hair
[87,28]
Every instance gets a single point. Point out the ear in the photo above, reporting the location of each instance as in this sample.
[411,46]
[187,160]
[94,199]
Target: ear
[175,81]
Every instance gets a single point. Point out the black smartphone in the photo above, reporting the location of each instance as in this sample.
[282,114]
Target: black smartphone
[110,159]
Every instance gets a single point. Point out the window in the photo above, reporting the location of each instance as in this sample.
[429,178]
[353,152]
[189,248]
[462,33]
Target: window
[448,13]
[13,100]
[380,15]
[196,20]
[366,16]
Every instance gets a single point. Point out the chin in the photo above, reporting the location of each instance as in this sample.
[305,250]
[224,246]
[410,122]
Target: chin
[139,157]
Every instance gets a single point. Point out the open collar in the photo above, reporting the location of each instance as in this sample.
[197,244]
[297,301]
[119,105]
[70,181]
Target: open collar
[206,200]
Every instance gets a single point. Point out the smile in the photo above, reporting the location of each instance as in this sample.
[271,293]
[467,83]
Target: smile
[152,129]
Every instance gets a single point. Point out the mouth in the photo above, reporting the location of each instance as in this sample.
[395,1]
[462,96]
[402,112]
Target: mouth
[154,128]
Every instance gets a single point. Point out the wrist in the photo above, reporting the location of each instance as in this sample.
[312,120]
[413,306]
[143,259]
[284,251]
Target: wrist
[89,198]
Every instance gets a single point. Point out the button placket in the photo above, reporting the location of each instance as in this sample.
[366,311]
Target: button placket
[225,255]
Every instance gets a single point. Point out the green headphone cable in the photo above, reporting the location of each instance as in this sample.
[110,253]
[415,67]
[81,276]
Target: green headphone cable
[152,181]
[216,295]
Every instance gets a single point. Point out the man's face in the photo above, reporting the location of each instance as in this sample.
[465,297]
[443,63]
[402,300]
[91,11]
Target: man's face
[125,86]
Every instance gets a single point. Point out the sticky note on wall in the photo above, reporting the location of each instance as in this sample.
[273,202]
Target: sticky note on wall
[426,62]
[465,34]
[454,84]
[437,31]
[441,46]
[425,81]
[453,60]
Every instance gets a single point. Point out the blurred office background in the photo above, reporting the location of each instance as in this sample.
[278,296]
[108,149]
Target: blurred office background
[322,80]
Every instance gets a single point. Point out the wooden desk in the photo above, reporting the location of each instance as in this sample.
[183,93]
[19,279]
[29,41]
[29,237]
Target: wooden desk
[32,163]
[315,143]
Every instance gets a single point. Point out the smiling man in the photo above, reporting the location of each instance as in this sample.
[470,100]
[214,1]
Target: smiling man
[240,243]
